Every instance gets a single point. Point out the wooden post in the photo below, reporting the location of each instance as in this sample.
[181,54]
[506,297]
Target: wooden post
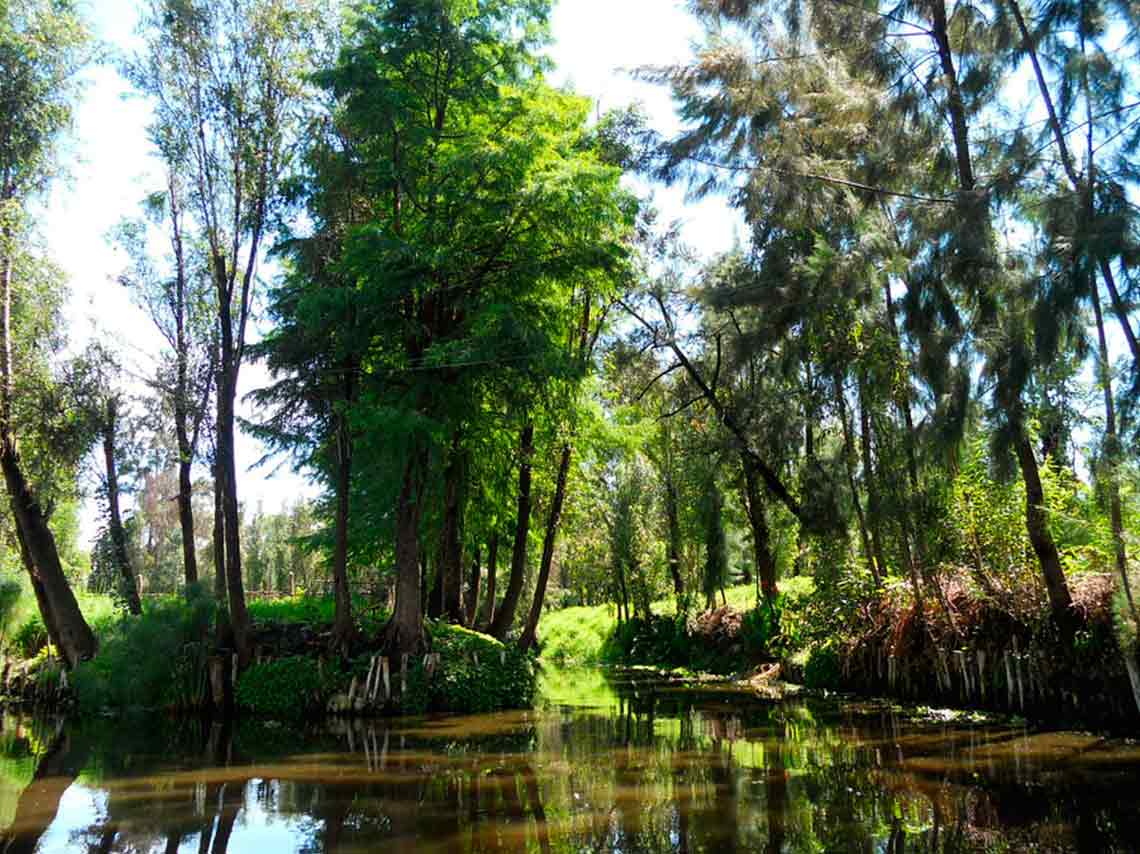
[292,584]
[218,668]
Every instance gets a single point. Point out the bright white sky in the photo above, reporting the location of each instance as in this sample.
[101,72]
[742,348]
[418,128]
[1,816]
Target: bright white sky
[597,43]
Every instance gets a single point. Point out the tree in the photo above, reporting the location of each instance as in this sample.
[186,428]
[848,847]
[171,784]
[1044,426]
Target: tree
[177,295]
[228,82]
[481,207]
[42,48]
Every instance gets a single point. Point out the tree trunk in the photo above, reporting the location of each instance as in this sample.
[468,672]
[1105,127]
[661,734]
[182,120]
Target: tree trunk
[1112,453]
[219,543]
[118,534]
[874,508]
[1111,441]
[529,635]
[42,600]
[761,542]
[506,613]
[451,546]
[64,621]
[487,615]
[471,602]
[186,522]
[342,619]
[435,592]
[405,630]
[958,123]
[673,522]
[76,641]
[186,446]
[1118,307]
[227,468]
[1036,525]
[849,461]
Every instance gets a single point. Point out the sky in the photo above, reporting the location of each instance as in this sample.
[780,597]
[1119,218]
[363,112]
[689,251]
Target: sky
[110,170]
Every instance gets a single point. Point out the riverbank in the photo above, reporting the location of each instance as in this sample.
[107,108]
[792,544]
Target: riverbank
[166,661]
[995,652]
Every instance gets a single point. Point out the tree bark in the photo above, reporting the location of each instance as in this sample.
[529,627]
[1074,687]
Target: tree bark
[186,445]
[529,635]
[506,613]
[76,641]
[1036,525]
[471,602]
[219,543]
[673,522]
[849,462]
[186,521]
[487,614]
[118,534]
[342,619]
[405,630]
[958,123]
[227,468]
[761,541]
[42,601]
[450,570]
[874,509]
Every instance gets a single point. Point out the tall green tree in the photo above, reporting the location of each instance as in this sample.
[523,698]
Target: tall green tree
[482,206]
[43,46]
[228,81]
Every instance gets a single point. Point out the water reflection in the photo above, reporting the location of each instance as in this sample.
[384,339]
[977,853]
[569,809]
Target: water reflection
[630,766]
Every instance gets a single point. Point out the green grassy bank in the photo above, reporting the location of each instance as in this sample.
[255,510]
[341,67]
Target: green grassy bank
[158,660]
[591,635]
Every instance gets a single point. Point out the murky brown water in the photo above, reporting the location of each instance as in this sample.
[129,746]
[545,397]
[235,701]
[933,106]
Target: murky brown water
[607,765]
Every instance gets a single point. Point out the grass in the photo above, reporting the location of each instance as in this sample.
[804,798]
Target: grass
[578,636]
[22,629]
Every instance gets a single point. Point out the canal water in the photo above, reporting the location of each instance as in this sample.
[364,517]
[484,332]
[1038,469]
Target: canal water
[607,763]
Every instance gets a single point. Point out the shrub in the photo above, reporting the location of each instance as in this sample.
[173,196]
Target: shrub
[503,678]
[823,670]
[154,660]
[284,688]
[30,638]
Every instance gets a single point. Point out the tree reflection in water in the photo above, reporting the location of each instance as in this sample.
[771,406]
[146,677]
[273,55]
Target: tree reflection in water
[649,770]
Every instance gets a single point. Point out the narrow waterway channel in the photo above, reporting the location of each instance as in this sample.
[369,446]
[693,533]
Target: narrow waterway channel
[607,763]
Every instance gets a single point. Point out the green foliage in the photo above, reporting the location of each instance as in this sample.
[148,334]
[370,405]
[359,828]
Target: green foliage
[10,593]
[155,660]
[29,638]
[284,688]
[478,673]
[577,635]
[760,628]
[823,670]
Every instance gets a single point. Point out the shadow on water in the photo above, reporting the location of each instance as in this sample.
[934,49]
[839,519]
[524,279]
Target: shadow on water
[609,764]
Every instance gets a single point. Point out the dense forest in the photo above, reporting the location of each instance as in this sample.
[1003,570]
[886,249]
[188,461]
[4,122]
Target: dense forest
[909,395]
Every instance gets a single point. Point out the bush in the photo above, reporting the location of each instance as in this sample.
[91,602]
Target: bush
[154,660]
[823,670]
[503,678]
[284,688]
[30,638]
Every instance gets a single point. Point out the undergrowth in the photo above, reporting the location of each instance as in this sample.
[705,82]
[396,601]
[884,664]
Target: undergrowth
[154,660]
[722,640]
